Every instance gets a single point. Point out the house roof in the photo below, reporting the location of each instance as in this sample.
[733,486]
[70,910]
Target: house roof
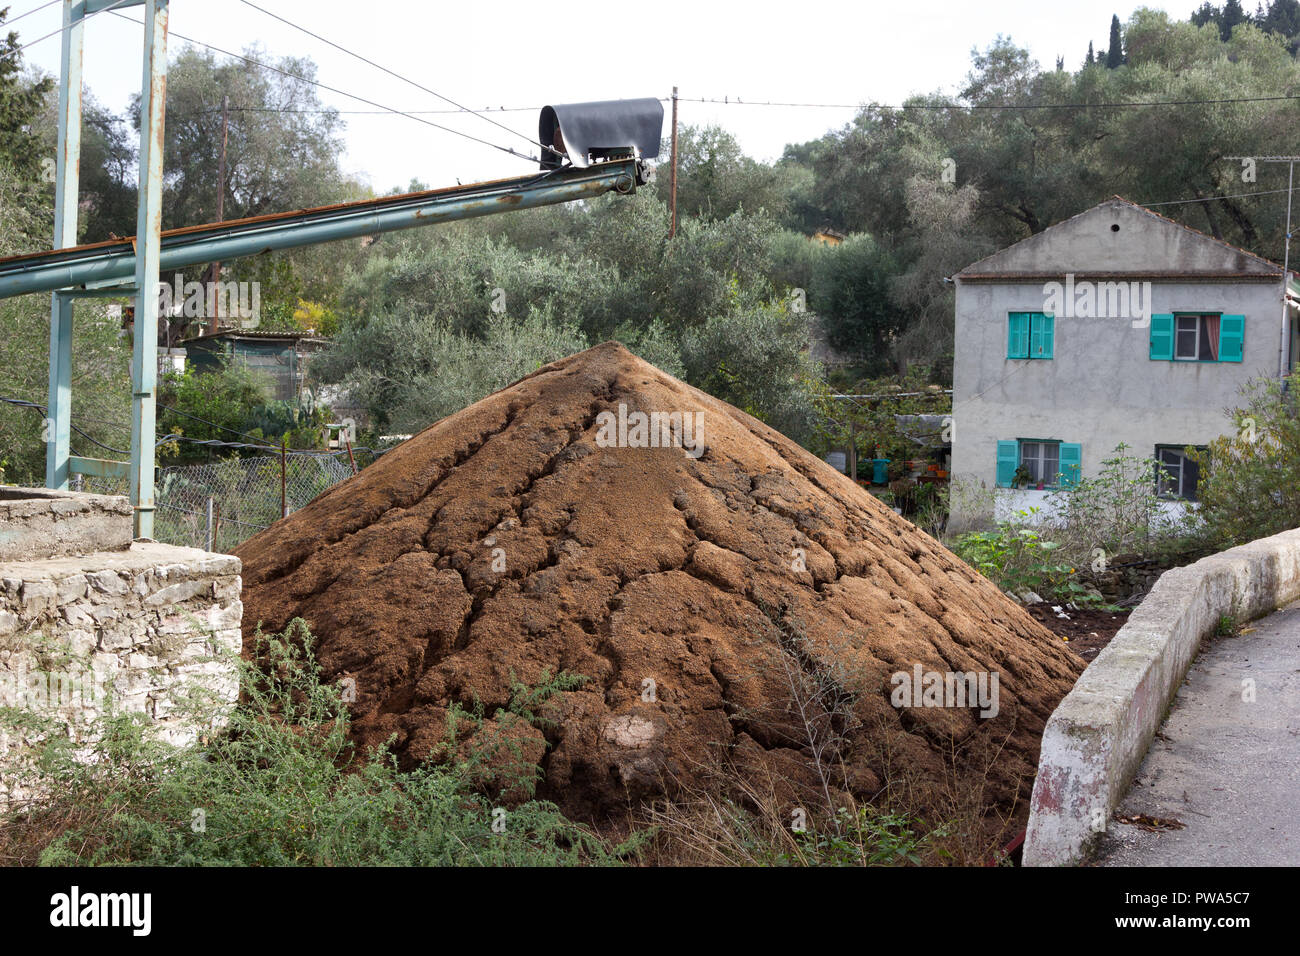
[1120,239]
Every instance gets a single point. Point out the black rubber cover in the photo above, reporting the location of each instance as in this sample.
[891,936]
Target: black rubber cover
[598,127]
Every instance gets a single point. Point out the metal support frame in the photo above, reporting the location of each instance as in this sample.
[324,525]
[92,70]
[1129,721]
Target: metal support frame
[67,184]
[60,464]
[131,267]
[148,232]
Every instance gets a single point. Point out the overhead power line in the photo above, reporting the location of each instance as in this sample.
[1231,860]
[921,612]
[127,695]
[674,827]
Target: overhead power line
[332,89]
[54,33]
[396,75]
[738,101]
[289,109]
[1183,202]
[48,3]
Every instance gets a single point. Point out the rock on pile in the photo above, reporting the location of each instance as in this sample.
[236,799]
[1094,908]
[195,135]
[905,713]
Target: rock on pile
[730,599]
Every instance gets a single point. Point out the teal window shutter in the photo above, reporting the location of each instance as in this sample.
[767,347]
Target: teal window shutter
[1071,464]
[1008,462]
[1162,338]
[1232,332]
[1018,335]
[1042,328]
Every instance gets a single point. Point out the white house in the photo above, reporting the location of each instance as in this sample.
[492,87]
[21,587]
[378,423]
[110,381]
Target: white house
[1115,326]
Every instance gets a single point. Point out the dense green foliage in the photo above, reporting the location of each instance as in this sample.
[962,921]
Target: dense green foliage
[1250,479]
[427,321]
[432,321]
[20,101]
[410,372]
[280,785]
[1016,555]
[99,373]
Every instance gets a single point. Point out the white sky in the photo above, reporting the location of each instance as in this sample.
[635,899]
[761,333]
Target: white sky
[505,53]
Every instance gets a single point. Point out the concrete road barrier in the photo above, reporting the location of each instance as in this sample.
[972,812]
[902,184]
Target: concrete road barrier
[1096,739]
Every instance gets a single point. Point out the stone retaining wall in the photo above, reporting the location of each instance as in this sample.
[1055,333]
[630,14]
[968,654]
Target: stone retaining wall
[1096,738]
[37,523]
[139,630]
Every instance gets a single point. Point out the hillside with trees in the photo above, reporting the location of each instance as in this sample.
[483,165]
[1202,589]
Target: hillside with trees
[427,321]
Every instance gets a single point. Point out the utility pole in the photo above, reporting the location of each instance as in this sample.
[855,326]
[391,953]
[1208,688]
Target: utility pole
[1284,360]
[215,276]
[672,229]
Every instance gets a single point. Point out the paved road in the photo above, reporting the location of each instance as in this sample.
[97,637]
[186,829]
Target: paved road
[1227,768]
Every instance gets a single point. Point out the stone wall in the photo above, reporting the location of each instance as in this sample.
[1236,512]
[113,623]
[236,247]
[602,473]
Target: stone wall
[144,630]
[1097,737]
[38,523]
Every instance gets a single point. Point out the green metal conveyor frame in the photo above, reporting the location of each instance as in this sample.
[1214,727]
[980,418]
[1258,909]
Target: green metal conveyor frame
[131,267]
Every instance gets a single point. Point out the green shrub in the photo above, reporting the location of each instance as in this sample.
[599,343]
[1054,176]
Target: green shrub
[1017,558]
[188,401]
[1014,555]
[281,785]
[1250,480]
[870,837]
[1118,511]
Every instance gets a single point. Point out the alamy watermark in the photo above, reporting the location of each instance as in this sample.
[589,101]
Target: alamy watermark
[1099,300]
[75,909]
[684,430]
[212,300]
[43,691]
[922,688]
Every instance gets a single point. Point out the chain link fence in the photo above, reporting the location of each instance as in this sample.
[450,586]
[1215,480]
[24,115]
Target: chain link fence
[216,506]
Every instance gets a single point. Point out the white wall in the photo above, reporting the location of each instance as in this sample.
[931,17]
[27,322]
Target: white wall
[1009,501]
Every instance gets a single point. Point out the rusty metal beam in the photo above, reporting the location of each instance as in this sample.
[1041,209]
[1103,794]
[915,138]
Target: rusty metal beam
[106,262]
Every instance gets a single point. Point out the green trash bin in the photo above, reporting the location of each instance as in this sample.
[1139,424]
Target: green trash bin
[880,471]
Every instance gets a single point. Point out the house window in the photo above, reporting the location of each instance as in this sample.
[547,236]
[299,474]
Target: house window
[1042,460]
[1030,335]
[1025,462]
[1197,337]
[1178,474]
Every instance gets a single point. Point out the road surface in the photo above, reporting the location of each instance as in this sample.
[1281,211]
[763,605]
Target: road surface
[1226,765]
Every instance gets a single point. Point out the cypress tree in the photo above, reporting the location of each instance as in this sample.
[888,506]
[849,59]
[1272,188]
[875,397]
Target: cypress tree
[1115,55]
[1233,14]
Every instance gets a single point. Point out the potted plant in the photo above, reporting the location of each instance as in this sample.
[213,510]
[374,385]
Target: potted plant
[1021,478]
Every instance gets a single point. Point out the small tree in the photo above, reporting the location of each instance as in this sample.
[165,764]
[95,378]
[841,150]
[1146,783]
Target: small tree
[208,406]
[1115,55]
[1118,510]
[1250,480]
